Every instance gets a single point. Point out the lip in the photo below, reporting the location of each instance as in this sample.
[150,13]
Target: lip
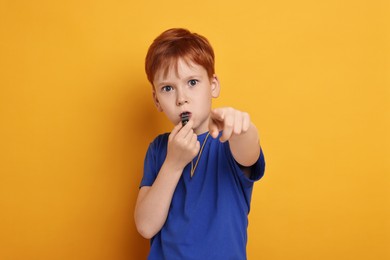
[185,112]
[185,117]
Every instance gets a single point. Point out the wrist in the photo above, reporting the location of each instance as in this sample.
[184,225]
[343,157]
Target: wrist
[173,165]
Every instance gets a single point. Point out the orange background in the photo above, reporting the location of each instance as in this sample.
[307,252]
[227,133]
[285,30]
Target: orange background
[76,117]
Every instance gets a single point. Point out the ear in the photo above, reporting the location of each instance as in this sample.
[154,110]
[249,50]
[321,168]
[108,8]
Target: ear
[215,86]
[156,102]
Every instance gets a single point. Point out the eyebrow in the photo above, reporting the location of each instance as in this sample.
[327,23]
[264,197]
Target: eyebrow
[166,83]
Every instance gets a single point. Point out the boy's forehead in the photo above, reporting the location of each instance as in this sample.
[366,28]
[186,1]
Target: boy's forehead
[177,67]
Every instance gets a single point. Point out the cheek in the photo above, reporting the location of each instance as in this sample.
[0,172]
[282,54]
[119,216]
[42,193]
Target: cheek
[165,100]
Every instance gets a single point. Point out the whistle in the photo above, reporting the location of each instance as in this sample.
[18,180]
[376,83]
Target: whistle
[185,117]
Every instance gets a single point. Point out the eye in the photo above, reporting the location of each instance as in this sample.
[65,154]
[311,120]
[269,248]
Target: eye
[167,88]
[193,82]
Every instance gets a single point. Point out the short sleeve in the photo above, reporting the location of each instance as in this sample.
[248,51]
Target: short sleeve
[150,167]
[257,169]
[154,158]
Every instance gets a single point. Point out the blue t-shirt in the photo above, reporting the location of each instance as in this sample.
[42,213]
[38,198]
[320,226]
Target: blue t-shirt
[208,215]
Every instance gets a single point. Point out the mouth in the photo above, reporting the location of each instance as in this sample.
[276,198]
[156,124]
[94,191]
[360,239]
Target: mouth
[185,117]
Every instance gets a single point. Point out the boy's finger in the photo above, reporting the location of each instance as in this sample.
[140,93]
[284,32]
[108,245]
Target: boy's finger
[187,129]
[213,129]
[246,123]
[175,130]
[194,140]
[237,123]
[227,128]
[217,114]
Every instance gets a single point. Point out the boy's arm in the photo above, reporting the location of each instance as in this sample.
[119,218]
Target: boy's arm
[239,131]
[153,202]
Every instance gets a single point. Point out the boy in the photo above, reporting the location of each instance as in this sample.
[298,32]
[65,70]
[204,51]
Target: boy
[195,194]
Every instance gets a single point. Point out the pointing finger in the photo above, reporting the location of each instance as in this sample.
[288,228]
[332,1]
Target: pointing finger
[227,128]
[213,129]
[217,114]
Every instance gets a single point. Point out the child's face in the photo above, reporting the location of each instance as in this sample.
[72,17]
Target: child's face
[189,89]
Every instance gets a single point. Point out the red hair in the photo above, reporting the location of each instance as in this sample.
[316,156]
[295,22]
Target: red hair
[174,44]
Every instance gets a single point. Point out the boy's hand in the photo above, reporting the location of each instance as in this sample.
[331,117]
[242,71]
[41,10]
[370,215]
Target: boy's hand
[231,121]
[183,145]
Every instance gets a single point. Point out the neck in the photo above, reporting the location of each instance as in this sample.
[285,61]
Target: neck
[203,127]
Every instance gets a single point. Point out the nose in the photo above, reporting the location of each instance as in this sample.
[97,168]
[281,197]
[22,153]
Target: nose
[181,98]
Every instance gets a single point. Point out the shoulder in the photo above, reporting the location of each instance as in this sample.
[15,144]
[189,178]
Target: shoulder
[251,173]
[158,147]
[159,141]
[154,158]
